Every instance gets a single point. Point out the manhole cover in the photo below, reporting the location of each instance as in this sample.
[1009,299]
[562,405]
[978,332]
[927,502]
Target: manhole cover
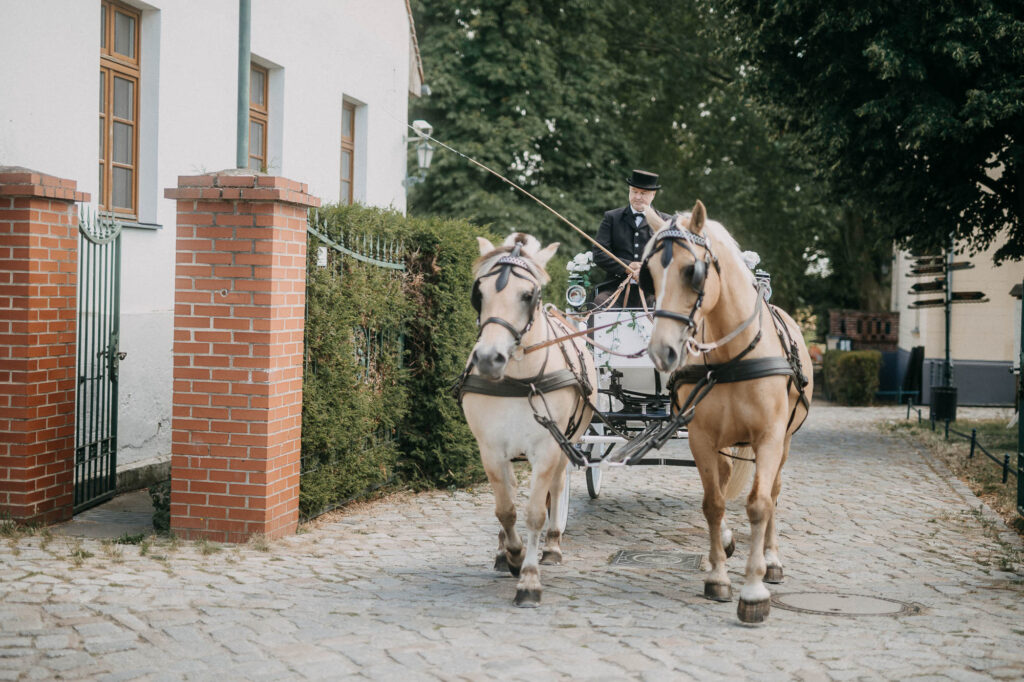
[655,559]
[835,604]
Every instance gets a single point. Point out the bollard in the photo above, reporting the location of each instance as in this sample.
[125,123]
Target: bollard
[947,429]
[1006,466]
[974,439]
[909,403]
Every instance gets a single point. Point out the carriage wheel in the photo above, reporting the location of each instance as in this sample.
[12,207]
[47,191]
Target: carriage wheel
[563,509]
[594,482]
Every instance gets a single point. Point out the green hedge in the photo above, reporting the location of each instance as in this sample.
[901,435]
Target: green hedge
[851,377]
[352,405]
[397,422]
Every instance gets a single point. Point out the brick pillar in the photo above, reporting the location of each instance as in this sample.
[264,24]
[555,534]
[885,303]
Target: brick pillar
[38,280]
[240,292]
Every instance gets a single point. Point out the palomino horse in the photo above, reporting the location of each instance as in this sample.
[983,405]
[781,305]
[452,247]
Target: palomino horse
[505,386]
[708,305]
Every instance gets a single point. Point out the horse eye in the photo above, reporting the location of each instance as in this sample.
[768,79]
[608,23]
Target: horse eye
[688,272]
[527,296]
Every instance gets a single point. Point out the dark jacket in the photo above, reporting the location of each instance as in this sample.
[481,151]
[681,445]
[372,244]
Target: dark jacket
[619,234]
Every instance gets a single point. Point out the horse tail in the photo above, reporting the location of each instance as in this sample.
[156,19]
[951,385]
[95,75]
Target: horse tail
[742,472]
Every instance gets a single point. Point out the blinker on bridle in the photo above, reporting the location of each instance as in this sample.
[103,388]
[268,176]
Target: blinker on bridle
[663,242]
[503,267]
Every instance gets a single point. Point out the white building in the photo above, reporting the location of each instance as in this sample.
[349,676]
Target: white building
[984,336]
[328,107]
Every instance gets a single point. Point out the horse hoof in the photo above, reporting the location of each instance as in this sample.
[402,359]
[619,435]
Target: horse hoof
[730,549]
[527,599]
[551,558]
[717,592]
[753,611]
[501,562]
[773,575]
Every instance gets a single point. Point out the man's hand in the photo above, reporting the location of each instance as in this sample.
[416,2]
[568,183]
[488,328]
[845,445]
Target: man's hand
[634,268]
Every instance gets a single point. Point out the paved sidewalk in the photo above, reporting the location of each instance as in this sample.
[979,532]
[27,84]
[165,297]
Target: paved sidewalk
[403,588]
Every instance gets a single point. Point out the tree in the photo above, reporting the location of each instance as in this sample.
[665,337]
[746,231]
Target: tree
[565,98]
[914,110]
[705,135]
[517,85]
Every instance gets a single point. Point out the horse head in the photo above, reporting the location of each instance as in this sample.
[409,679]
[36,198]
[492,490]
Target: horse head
[679,261]
[506,294]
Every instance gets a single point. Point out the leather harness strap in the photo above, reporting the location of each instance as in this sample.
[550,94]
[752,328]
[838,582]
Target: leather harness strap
[518,388]
[727,373]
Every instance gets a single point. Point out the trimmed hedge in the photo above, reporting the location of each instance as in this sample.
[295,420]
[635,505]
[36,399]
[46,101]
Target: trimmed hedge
[362,428]
[354,396]
[851,377]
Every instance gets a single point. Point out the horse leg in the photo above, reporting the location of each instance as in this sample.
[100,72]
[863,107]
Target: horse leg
[773,565]
[510,545]
[754,602]
[716,582]
[724,473]
[528,590]
[552,554]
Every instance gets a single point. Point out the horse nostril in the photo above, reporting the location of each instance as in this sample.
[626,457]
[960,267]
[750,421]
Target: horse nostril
[473,358]
[499,359]
[670,356]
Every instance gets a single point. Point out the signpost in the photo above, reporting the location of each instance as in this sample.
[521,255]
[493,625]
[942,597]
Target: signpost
[1019,289]
[940,268]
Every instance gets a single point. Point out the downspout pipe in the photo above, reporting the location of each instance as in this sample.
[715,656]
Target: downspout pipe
[244,60]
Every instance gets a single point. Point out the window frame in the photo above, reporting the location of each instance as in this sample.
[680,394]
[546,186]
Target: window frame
[115,64]
[259,114]
[348,144]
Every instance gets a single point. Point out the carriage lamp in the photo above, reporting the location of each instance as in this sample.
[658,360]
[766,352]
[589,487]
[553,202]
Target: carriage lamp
[576,295]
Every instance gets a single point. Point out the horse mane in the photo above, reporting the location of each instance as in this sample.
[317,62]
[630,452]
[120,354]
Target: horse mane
[723,243]
[530,247]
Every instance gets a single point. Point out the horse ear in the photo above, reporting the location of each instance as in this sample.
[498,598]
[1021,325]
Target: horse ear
[653,219]
[485,246]
[545,254]
[697,217]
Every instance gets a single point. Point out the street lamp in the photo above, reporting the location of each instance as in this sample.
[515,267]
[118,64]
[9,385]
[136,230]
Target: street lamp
[424,150]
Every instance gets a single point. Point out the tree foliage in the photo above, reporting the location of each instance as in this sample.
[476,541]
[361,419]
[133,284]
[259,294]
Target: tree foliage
[914,109]
[586,91]
[520,87]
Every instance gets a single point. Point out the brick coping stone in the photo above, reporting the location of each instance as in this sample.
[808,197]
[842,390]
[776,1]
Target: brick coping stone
[17,181]
[241,185]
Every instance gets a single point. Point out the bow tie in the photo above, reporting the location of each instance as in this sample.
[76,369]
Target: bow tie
[638,215]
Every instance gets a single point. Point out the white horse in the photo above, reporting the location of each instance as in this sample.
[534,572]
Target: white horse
[500,402]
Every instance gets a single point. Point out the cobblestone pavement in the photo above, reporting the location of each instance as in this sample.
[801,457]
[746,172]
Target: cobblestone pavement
[403,588]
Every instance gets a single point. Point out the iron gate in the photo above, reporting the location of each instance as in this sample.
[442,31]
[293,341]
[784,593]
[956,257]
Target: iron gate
[99,313]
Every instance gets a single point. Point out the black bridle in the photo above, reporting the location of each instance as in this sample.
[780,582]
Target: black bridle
[663,241]
[503,267]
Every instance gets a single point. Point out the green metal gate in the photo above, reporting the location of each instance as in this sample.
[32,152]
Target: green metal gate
[99,313]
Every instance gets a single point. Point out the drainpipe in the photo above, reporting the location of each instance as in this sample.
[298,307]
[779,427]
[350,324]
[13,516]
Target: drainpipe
[244,58]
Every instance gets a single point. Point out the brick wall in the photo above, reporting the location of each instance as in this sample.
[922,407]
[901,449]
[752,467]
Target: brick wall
[867,331]
[38,297]
[238,324]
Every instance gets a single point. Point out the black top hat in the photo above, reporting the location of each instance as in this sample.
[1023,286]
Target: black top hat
[643,180]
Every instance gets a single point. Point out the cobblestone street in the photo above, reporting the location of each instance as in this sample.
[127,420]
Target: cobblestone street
[403,588]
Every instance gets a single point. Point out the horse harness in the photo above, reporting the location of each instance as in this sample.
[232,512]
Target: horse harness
[663,241]
[707,375]
[503,267]
[536,386]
